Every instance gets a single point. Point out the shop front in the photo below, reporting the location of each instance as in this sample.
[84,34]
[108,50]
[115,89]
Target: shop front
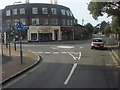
[67,33]
[44,33]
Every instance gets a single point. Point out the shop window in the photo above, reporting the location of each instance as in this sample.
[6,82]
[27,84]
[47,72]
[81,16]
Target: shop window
[33,36]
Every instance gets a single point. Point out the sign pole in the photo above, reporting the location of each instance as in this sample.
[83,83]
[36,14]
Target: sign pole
[19,26]
[21,55]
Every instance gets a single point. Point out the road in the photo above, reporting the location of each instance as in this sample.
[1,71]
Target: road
[70,66]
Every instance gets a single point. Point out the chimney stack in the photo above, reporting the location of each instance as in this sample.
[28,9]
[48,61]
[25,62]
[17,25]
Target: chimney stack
[27,1]
[53,1]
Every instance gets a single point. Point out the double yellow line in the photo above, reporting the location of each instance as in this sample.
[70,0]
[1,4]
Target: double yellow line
[114,60]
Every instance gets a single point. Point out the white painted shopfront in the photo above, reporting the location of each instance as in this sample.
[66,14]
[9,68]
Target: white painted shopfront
[37,33]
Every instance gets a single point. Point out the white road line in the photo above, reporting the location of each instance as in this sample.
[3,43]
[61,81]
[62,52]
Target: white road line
[79,56]
[72,56]
[63,52]
[81,47]
[68,78]
[47,52]
[40,52]
[74,52]
[55,52]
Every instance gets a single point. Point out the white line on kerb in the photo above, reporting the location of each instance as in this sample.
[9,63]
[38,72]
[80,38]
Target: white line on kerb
[68,78]
[72,55]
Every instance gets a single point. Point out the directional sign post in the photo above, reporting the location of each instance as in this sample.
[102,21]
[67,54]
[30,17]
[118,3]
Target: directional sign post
[19,27]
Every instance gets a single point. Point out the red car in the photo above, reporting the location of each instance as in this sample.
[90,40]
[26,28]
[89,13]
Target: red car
[97,43]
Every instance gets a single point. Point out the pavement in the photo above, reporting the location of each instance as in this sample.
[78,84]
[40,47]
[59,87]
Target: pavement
[11,66]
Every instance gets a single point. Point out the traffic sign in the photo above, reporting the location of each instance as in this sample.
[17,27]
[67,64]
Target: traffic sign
[19,25]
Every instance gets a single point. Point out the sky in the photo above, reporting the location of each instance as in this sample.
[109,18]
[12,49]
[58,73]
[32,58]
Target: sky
[78,8]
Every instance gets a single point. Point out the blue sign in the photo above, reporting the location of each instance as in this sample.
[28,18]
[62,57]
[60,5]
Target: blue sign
[25,28]
[19,25]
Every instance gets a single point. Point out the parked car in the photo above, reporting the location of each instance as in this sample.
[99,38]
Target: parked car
[97,43]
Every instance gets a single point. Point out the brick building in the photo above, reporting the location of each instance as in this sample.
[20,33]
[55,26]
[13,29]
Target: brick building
[46,22]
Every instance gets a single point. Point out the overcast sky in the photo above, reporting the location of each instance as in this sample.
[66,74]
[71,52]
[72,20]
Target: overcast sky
[78,8]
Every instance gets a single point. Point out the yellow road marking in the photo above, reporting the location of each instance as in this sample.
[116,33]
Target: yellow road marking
[114,60]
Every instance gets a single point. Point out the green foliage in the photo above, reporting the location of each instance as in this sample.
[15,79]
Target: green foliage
[102,27]
[112,9]
[114,25]
[99,8]
[107,29]
[96,9]
[95,30]
[89,28]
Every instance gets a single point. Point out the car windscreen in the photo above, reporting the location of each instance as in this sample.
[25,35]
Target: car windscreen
[97,40]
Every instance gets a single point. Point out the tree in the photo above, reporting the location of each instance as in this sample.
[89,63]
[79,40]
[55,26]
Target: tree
[89,27]
[100,8]
[107,29]
[114,25]
[88,30]
[95,30]
[102,27]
